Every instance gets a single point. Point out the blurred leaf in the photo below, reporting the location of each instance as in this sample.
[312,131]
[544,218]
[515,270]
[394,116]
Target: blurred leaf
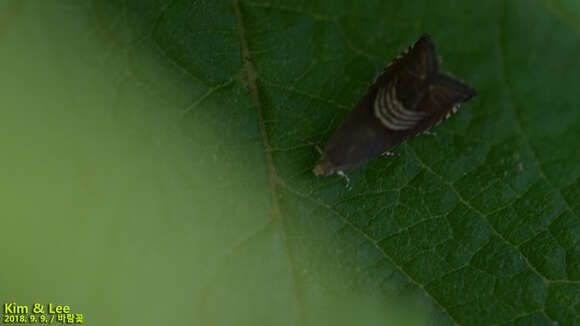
[188,126]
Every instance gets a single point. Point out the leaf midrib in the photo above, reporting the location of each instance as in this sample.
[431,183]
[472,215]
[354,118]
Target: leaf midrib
[272,173]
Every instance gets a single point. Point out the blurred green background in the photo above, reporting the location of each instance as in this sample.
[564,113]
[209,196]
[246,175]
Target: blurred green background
[156,164]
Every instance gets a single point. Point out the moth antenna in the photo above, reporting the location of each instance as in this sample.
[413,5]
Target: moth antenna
[316,147]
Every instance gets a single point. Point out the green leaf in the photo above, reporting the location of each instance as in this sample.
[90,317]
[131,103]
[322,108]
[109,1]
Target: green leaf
[157,164]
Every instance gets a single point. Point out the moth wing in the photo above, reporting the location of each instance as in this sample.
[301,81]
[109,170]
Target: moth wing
[420,60]
[444,94]
[446,91]
[413,68]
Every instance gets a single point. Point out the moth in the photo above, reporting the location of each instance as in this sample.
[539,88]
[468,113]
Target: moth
[407,98]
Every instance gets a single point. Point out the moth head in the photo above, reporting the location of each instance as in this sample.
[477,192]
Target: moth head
[325,167]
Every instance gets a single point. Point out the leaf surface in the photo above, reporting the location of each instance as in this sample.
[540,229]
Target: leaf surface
[219,104]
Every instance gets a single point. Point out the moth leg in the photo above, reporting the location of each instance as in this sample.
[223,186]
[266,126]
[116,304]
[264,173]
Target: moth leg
[342,174]
[387,153]
[429,133]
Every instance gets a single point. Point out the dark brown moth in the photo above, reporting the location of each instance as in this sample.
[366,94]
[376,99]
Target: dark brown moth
[408,98]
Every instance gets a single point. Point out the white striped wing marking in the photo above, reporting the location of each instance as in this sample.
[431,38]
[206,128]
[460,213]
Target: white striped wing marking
[392,113]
